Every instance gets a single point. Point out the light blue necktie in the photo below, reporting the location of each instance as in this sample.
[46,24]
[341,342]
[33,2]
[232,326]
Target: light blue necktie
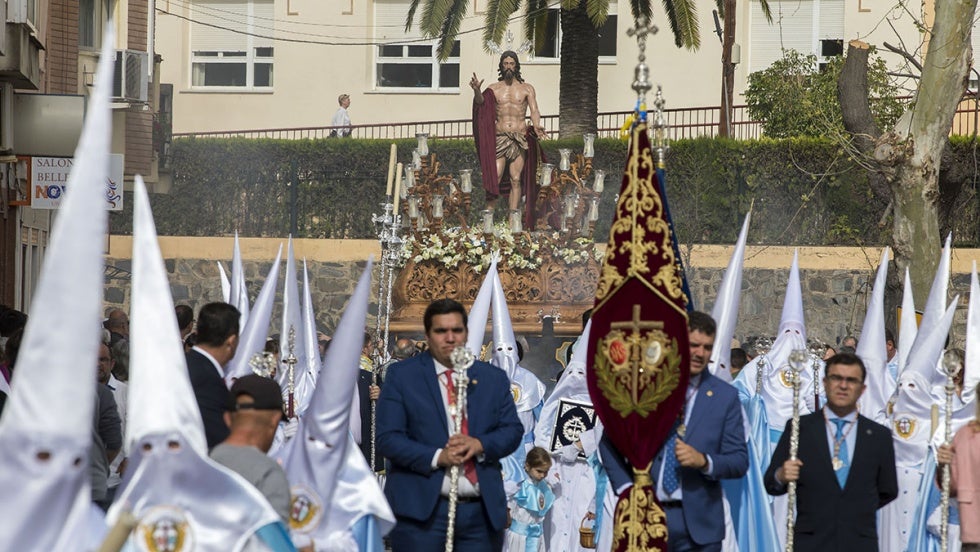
[671,465]
[842,452]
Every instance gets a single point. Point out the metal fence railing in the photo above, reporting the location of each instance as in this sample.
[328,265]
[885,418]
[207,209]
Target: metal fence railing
[683,123]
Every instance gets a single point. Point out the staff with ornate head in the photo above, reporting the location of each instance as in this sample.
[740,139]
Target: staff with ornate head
[951,368]
[762,346]
[290,362]
[462,360]
[797,360]
[387,225]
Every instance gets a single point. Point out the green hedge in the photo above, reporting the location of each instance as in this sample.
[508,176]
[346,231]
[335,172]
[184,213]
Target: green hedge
[806,191]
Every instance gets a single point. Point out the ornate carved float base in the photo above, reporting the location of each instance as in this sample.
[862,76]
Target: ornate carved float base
[557,289]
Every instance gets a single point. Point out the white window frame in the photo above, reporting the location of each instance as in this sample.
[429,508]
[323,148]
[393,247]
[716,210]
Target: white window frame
[431,61]
[603,60]
[249,57]
[799,25]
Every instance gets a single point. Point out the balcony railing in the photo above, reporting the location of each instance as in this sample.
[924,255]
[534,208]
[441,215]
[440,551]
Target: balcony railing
[683,123]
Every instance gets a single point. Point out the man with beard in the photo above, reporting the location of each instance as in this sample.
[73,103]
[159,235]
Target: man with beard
[499,126]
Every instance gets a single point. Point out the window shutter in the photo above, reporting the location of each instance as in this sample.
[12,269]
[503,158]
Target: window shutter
[264,22]
[389,21]
[831,20]
[232,18]
[975,40]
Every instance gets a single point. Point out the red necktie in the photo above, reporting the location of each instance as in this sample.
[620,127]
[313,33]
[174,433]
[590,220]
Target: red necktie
[469,468]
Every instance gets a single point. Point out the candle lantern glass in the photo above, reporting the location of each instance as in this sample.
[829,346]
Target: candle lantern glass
[600,181]
[566,159]
[423,143]
[437,206]
[588,148]
[416,159]
[515,221]
[403,190]
[413,207]
[466,180]
[570,201]
[409,178]
[594,209]
[546,170]
[487,221]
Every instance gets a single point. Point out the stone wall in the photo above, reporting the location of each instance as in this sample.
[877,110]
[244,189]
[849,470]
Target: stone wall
[836,282]
[196,282]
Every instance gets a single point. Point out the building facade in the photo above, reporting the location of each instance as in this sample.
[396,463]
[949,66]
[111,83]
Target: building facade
[47,66]
[261,64]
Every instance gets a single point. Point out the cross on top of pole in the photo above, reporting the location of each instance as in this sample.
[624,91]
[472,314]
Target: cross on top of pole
[640,30]
[641,81]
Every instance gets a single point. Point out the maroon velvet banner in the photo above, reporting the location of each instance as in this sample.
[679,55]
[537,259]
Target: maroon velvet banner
[638,346]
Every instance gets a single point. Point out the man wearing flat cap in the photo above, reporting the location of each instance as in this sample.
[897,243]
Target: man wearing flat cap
[254,413]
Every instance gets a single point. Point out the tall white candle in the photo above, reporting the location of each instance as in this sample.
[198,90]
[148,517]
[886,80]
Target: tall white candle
[398,181]
[391,169]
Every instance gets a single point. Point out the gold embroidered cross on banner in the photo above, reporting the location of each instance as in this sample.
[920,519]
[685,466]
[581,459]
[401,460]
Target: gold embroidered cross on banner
[637,365]
[633,341]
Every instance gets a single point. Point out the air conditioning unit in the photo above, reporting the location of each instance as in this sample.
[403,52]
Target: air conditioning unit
[130,81]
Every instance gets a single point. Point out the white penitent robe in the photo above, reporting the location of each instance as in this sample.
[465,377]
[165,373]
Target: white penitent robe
[572,480]
[912,428]
[605,529]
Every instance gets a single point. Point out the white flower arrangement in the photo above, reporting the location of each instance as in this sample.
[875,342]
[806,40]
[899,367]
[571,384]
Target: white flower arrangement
[524,251]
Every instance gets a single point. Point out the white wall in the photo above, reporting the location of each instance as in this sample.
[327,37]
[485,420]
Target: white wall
[309,77]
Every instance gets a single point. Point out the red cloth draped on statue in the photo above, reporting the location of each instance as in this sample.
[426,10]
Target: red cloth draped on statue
[485,136]
[639,352]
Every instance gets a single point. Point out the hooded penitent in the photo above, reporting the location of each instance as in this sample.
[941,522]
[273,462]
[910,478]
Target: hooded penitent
[725,311]
[935,303]
[777,388]
[336,499]
[225,283]
[171,485]
[872,350]
[476,324]
[256,332]
[292,340]
[46,429]
[238,291]
[908,325]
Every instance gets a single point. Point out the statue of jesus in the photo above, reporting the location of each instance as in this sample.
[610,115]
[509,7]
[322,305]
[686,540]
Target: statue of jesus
[499,126]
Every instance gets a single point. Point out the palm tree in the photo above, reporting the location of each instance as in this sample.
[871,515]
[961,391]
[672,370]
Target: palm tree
[580,22]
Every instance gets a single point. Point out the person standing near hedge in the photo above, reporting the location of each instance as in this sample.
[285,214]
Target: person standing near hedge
[341,119]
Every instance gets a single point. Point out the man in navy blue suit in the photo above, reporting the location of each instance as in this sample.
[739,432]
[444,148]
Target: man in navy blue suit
[834,511]
[217,341]
[688,469]
[414,435]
